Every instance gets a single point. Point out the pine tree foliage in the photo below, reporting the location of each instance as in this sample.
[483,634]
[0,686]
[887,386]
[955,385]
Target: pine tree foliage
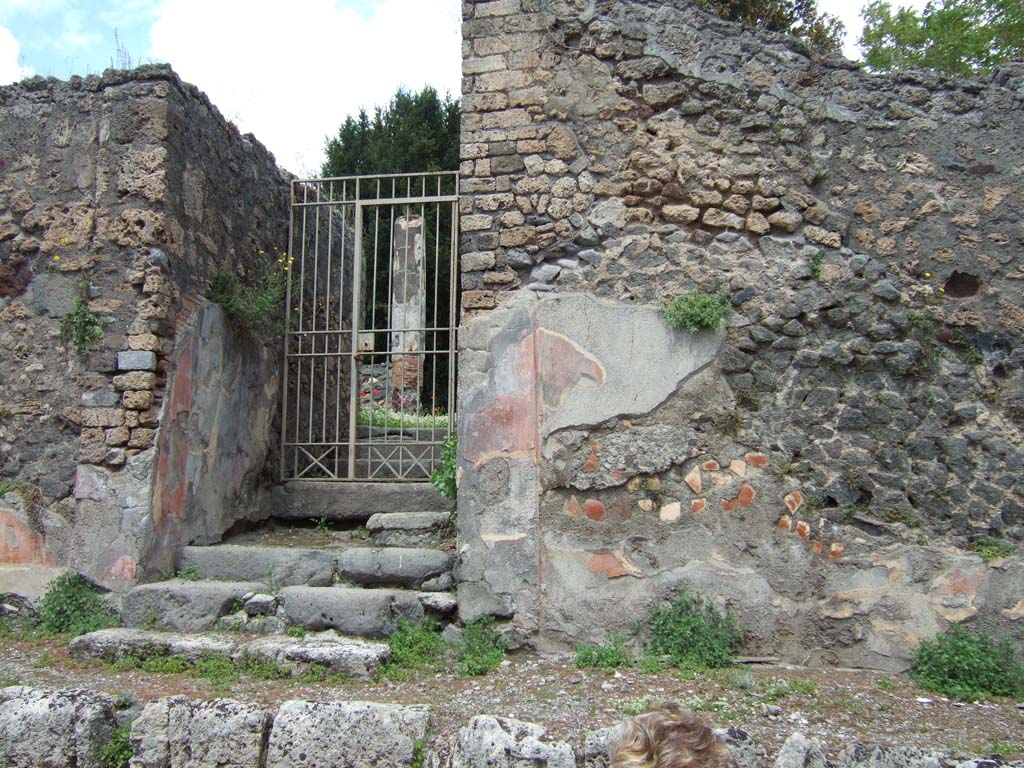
[414,132]
[801,18]
[956,37]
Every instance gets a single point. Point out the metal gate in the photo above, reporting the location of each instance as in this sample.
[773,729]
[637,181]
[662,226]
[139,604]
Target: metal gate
[370,340]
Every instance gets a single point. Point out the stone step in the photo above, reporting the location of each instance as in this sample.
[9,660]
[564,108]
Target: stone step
[407,529]
[396,566]
[334,501]
[353,657]
[351,610]
[184,605]
[275,566]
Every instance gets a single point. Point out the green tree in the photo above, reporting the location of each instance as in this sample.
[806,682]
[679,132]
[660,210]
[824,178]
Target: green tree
[801,18]
[958,37]
[414,132]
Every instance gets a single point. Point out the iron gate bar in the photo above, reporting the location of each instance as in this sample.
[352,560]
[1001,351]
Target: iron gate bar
[408,445]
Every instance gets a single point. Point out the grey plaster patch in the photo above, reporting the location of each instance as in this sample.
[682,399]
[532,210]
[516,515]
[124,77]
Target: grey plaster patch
[55,294]
[643,359]
[136,360]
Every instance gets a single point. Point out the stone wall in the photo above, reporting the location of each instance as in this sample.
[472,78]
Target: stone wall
[129,190]
[835,451]
[70,727]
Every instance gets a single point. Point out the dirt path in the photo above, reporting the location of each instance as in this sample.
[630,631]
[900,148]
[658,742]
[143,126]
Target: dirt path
[836,706]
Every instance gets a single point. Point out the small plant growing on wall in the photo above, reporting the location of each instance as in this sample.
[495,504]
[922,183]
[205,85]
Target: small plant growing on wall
[696,311]
[253,305]
[81,328]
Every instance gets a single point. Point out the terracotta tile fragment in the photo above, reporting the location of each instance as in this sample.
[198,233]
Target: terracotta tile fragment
[746,496]
[818,548]
[794,501]
[593,509]
[837,549]
[591,463]
[728,505]
[738,467]
[756,459]
[698,505]
[785,523]
[693,480]
[572,507]
[711,465]
[803,530]
[611,564]
[634,484]
[646,505]
[670,512]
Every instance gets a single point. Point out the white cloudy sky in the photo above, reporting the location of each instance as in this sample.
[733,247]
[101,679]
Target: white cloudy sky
[289,72]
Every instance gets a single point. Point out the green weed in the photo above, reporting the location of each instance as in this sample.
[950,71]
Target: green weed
[45,661]
[742,679]
[322,675]
[189,573]
[991,549]
[165,665]
[389,419]
[117,751]
[608,656]
[481,649]
[413,646]
[1000,747]
[696,311]
[815,264]
[219,670]
[443,477]
[323,525]
[693,633]
[967,666]
[650,665]
[253,305]
[80,327]
[966,352]
[263,669]
[296,630]
[885,683]
[73,605]
[635,707]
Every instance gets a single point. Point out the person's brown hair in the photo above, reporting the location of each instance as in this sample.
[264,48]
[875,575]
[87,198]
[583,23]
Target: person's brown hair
[668,736]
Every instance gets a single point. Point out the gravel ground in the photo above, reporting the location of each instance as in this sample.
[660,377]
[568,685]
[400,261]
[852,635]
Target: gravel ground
[771,701]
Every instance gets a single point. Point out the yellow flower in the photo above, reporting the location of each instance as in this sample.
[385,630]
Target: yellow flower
[927,274]
[56,258]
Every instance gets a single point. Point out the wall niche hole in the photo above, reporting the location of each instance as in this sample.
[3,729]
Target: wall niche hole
[962,285]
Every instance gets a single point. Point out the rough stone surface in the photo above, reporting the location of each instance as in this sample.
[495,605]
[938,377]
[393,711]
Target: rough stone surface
[801,752]
[178,732]
[284,566]
[133,184]
[407,529]
[360,612]
[183,605]
[870,356]
[53,729]
[356,658]
[397,566]
[346,735]
[505,743]
[313,500]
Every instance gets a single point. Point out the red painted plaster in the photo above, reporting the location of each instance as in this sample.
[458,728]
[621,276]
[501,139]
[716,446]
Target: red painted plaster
[19,545]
